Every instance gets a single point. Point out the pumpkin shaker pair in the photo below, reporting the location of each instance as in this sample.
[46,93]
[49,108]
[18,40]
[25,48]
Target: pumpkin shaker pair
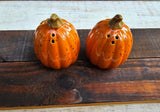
[57,44]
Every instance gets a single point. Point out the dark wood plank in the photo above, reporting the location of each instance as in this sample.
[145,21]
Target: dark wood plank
[18,45]
[32,84]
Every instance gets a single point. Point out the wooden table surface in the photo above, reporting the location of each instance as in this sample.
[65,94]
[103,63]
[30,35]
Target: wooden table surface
[26,83]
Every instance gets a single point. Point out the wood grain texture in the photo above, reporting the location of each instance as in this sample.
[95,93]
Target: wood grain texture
[82,14]
[32,84]
[150,107]
[18,45]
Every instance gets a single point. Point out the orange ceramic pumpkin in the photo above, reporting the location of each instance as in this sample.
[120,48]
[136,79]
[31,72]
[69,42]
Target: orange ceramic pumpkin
[56,43]
[109,43]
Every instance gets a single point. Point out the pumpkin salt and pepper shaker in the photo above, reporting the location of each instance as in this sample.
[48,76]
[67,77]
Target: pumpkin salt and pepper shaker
[109,43]
[56,43]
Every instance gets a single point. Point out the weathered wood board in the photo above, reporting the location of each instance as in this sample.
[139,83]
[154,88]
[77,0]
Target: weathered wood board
[18,45]
[26,84]
[82,14]
[24,81]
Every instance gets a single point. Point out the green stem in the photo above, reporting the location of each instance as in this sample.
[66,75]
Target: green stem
[116,22]
[55,21]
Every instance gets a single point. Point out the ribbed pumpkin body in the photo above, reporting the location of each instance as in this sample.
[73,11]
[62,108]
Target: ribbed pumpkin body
[56,47]
[107,47]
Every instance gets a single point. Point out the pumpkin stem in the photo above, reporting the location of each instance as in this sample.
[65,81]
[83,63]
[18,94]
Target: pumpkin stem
[116,22]
[55,21]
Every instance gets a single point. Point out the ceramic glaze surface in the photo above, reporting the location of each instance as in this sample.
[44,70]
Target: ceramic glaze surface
[107,47]
[56,47]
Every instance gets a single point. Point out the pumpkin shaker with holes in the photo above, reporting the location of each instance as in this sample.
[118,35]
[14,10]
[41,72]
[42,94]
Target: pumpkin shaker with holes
[56,42]
[109,43]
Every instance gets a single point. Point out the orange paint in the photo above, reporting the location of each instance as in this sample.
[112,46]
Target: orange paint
[56,47]
[108,47]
